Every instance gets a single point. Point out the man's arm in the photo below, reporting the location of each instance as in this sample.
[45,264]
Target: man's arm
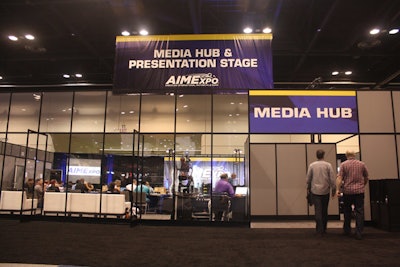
[339,180]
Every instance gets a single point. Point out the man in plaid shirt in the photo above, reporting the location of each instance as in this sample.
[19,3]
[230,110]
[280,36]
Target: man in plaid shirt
[352,178]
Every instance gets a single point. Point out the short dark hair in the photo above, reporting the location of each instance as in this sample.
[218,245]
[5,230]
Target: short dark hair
[224,176]
[320,154]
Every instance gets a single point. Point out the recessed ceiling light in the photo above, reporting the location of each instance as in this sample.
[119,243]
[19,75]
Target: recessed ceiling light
[66,76]
[143,32]
[125,33]
[247,30]
[29,37]
[348,72]
[13,38]
[78,75]
[374,31]
[393,31]
[1,77]
[335,73]
[267,30]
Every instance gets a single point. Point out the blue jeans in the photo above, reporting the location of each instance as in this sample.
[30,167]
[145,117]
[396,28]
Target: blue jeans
[321,212]
[358,201]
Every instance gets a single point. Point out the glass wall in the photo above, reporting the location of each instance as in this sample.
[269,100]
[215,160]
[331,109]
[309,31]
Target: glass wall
[107,142]
[4,105]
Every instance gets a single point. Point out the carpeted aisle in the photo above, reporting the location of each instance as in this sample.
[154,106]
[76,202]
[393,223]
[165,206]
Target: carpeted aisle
[80,244]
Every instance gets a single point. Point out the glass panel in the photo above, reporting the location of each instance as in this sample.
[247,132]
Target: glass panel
[4,105]
[122,113]
[193,113]
[24,112]
[118,159]
[230,113]
[89,112]
[158,113]
[56,112]
[228,158]
[86,153]
[17,139]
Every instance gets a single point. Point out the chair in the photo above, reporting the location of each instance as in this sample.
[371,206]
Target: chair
[220,205]
[139,199]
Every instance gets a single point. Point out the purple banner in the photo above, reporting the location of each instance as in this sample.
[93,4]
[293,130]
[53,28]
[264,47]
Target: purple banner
[193,63]
[303,112]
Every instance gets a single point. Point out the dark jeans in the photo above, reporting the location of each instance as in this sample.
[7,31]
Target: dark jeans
[358,201]
[321,212]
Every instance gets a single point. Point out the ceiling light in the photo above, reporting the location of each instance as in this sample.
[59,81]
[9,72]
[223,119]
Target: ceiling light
[78,75]
[374,31]
[66,76]
[13,38]
[335,73]
[247,30]
[348,72]
[125,33]
[29,37]
[393,31]
[143,32]
[267,30]
[1,77]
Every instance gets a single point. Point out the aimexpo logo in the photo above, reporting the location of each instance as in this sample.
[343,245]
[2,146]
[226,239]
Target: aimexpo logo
[195,79]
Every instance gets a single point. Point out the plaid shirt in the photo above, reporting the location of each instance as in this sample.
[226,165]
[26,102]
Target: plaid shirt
[353,173]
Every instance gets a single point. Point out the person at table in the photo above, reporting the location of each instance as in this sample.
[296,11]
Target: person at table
[223,186]
[143,188]
[150,187]
[39,191]
[29,187]
[223,191]
[132,186]
[53,186]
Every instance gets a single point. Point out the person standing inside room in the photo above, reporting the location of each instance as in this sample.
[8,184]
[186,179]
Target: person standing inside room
[352,178]
[320,181]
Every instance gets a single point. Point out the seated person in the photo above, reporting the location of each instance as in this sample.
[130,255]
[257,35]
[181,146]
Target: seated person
[223,192]
[29,187]
[143,188]
[53,186]
[149,186]
[80,185]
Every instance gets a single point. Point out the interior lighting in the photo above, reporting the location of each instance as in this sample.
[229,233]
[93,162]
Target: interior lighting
[374,31]
[125,33]
[267,30]
[393,31]
[144,32]
[1,77]
[247,30]
[78,75]
[29,37]
[66,76]
[348,72]
[334,73]
[13,38]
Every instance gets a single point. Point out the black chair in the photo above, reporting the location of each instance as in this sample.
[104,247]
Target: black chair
[220,205]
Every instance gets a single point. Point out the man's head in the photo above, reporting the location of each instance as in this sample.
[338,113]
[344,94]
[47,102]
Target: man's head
[350,154]
[224,176]
[320,154]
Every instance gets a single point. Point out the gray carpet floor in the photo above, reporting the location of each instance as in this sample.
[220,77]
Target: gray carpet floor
[111,244]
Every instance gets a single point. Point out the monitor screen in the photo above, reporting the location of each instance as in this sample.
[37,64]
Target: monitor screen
[241,190]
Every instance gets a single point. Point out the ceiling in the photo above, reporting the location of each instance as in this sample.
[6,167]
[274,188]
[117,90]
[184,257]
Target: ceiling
[311,38]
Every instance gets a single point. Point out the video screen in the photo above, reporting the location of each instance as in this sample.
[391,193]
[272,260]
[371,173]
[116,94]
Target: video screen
[88,169]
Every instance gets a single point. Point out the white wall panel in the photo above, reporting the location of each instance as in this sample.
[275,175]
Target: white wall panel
[375,112]
[262,179]
[291,173]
